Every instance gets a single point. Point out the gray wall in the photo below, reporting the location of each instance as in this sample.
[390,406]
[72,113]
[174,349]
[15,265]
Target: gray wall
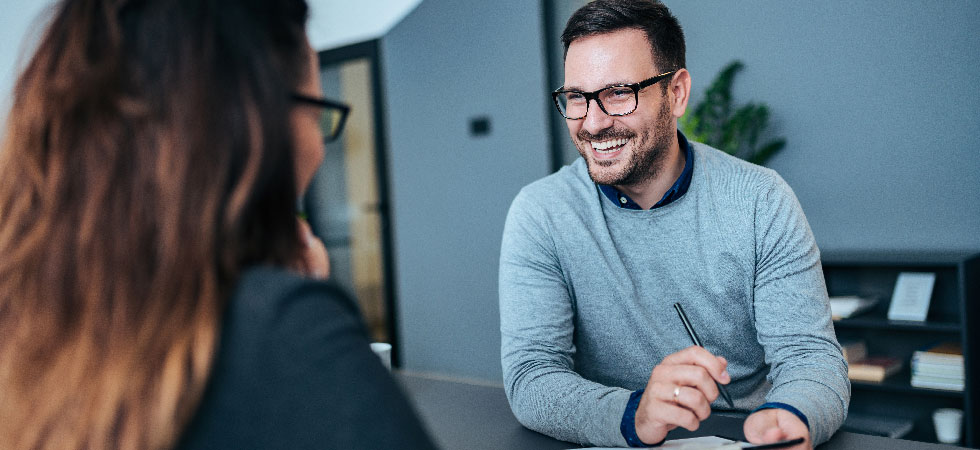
[447,63]
[560,12]
[879,102]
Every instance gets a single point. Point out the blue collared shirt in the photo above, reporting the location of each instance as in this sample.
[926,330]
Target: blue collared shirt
[675,192]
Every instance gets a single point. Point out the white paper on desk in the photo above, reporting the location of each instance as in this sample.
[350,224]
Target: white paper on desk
[910,300]
[698,443]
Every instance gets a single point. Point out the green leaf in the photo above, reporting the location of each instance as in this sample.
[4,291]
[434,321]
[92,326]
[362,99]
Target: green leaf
[767,151]
[735,130]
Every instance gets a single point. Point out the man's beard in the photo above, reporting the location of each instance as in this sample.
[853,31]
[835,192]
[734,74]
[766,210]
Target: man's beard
[644,163]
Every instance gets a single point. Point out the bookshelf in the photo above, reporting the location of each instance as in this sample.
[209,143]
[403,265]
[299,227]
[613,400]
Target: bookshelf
[952,312]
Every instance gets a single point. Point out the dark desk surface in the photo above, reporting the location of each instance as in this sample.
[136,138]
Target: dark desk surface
[464,416]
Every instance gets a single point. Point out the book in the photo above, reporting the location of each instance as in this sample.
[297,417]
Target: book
[854,350]
[939,367]
[940,383]
[874,369]
[938,370]
[910,299]
[842,307]
[946,352]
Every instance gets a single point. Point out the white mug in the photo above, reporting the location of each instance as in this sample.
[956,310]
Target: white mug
[383,350]
[948,422]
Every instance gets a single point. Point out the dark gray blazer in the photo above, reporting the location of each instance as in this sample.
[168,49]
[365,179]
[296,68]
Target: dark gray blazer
[294,370]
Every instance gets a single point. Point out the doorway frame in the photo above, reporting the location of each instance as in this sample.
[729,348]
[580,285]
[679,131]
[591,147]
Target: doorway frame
[371,50]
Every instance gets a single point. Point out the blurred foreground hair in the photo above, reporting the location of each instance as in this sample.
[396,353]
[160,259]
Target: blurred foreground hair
[147,159]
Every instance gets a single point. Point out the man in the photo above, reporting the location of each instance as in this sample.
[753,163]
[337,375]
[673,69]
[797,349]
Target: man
[594,257]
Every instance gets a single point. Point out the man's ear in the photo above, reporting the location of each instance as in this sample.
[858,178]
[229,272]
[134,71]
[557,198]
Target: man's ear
[680,92]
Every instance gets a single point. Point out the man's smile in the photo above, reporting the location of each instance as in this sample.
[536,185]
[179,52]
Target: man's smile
[608,148]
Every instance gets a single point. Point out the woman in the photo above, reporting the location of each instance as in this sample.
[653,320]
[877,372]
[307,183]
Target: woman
[148,181]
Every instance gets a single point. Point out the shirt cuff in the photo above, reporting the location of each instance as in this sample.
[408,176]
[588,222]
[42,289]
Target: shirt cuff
[776,405]
[628,425]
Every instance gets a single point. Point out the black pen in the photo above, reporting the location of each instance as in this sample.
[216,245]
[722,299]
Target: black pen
[694,338]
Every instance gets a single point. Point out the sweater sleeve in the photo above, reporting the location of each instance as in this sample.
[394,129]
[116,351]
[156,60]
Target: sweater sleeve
[792,315]
[537,345]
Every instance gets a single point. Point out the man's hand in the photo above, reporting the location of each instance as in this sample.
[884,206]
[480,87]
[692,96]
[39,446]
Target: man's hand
[679,393]
[771,425]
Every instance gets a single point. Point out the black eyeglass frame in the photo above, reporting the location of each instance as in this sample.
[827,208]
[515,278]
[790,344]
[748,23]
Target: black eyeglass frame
[594,95]
[326,104]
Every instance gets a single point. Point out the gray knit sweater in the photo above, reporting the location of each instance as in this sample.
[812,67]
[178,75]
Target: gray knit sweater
[587,288]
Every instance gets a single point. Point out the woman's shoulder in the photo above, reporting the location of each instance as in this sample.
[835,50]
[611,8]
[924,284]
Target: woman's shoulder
[276,320]
[265,295]
[294,370]
[260,283]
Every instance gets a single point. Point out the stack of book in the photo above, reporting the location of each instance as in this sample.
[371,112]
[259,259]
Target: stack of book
[861,367]
[939,367]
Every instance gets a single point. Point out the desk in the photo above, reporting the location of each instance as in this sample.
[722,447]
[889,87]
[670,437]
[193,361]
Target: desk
[464,416]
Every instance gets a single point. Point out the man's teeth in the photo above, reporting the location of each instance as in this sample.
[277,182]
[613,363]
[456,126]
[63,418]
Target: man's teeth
[605,146]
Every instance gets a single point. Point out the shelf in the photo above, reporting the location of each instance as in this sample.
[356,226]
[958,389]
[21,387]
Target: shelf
[876,323]
[884,258]
[954,308]
[901,383]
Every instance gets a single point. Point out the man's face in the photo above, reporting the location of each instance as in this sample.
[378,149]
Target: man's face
[620,150]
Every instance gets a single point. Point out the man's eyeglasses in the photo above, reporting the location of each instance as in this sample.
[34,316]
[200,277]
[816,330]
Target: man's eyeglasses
[618,100]
[333,114]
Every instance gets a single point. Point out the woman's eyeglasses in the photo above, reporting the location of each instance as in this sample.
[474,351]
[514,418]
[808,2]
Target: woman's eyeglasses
[333,114]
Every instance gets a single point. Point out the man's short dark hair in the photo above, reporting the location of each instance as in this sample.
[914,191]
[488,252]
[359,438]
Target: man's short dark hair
[649,16]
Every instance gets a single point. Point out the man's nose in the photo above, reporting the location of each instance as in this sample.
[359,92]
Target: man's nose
[596,120]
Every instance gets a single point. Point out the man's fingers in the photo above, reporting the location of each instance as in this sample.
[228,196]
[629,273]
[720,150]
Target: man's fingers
[679,392]
[752,435]
[686,375]
[758,424]
[761,436]
[665,406]
[771,425]
[673,415]
[698,356]
[692,400]
[773,434]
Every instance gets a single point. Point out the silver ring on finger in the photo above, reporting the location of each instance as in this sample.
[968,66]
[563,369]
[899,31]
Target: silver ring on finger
[677,393]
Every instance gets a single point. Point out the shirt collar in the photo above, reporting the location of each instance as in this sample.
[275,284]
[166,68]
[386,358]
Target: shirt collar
[676,191]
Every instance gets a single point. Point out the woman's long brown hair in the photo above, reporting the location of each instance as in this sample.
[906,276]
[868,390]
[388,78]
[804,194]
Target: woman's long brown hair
[147,160]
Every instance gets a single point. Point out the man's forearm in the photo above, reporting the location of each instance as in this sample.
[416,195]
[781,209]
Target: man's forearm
[556,401]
